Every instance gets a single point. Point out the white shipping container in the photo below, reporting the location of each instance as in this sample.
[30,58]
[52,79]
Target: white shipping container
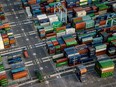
[114,34]
[52,18]
[101,50]
[11,33]
[58,56]
[70,31]
[75,54]
[1,43]
[45,24]
[83,0]
[61,34]
[81,13]
[43,16]
[114,6]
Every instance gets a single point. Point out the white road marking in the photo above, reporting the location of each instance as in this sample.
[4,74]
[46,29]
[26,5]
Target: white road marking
[29,65]
[28,62]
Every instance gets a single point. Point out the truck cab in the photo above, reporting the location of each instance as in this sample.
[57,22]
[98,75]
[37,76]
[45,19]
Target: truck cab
[25,53]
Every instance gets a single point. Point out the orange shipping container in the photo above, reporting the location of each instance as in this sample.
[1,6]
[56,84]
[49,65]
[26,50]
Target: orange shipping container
[50,1]
[12,41]
[2,76]
[83,51]
[55,43]
[31,1]
[70,40]
[80,25]
[83,71]
[51,34]
[20,75]
[61,28]
[113,28]
[77,19]
[100,53]
[103,22]
[6,25]
[5,39]
[7,46]
[1,27]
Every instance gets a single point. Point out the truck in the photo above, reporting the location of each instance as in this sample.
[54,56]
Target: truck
[39,75]
[81,72]
[25,53]
[28,11]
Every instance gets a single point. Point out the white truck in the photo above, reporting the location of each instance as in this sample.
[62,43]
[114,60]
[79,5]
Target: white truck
[28,11]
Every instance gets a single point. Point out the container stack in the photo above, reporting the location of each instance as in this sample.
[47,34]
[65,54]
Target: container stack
[69,40]
[83,51]
[104,67]
[79,12]
[43,20]
[111,50]
[100,49]
[86,37]
[72,55]
[56,45]
[6,34]
[61,62]
[102,8]
[53,18]
[54,30]
[35,9]
[49,31]
[3,75]
[50,46]
[18,69]
[84,22]
[2,16]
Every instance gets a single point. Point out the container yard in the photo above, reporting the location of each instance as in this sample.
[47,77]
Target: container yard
[57,43]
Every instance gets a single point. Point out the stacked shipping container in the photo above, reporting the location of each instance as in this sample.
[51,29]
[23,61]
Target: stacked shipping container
[18,69]
[2,16]
[6,37]
[104,67]
[3,75]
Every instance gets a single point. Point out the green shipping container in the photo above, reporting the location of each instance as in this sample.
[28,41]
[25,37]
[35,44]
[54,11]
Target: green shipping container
[111,38]
[61,64]
[56,24]
[71,43]
[106,63]
[104,75]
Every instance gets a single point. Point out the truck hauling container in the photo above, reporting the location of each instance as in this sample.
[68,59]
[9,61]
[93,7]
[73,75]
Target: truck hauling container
[39,75]
[81,71]
[25,53]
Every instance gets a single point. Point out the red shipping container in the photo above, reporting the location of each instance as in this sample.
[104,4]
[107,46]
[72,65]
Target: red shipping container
[61,60]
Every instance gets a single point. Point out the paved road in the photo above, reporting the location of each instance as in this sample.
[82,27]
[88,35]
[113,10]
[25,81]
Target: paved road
[26,36]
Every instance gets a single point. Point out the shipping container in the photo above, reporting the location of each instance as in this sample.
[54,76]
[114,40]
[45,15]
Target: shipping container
[20,75]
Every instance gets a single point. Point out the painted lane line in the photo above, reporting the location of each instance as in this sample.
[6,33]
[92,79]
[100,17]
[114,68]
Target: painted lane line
[28,62]
[29,65]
